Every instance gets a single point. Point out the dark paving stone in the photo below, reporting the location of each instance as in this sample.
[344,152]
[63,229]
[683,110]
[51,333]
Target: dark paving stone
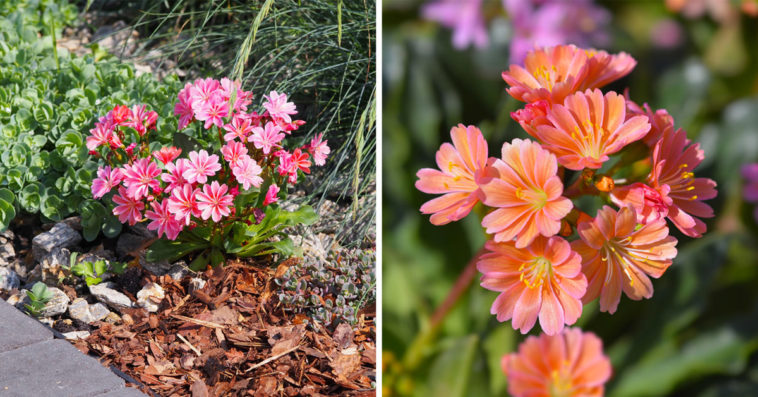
[53,368]
[125,392]
[19,330]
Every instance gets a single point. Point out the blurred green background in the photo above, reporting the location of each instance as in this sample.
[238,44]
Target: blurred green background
[698,334]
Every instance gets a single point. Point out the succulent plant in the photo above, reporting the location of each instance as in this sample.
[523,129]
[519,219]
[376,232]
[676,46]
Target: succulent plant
[332,291]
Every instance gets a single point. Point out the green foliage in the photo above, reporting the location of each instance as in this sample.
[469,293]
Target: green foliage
[93,271]
[48,104]
[212,243]
[321,52]
[39,295]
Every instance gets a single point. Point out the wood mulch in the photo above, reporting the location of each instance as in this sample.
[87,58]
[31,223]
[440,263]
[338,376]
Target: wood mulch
[233,338]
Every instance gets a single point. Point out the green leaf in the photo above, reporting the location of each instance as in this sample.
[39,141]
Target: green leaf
[92,280]
[100,267]
[112,226]
[83,269]
[305,215]
[172,250]
[93,217]
[452,369]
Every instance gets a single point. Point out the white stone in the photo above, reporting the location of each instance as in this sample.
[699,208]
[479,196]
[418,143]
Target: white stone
[8,279]
[82,311]
[150,297]
[105,293]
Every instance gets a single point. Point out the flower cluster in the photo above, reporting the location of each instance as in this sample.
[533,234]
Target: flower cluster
[546,257]
[174,193]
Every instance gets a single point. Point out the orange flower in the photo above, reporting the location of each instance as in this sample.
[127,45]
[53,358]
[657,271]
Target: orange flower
[461,165]
[571,363]
[588,127]
[555,72]
[526,188]
[617,255]
[543,280]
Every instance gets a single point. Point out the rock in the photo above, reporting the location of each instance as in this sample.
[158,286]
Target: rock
[73,335]
[7,235]
[128,243]
[55,306]
[74,222]
[150,297]
[7,251]
[60,236]
[112,318]
[82,311]
[196,283]
[55,258]
[16,299]
[179,270]
[157,268]
[8,279]
[106,294]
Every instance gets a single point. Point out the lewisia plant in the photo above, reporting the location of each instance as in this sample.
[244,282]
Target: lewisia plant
[546,257]
[215,200]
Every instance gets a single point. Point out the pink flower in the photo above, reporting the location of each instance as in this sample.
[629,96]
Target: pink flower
[175,174]
[464,17]
[106,180]
[248,172]
[183,204]
[200,92]
[570,364]
[649,204]
[674,159]
[527,193]
[240,127]
[167,154]
[213,112]
[319,150]
[121,114]
[140,177]
[183,107]
[266,138]
[461,165]
[163,220]
[101,135]
[277,106]
[233,152]
[142,120]
[543,280]
[213,202]
[128,209]
[271,197]
[201,166]
[300,161]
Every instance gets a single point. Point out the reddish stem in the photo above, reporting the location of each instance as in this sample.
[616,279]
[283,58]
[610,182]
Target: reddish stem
[460,286]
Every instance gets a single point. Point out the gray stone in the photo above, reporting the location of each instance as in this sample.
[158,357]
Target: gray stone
[55,258]
[55,306]
[8,279]
[125,392]
[158,268]
[7,235]
[179,270]
[60,236]
[150,297]
[129,244]
[74,335]
[106,294]
[82,311]
[18,330]
[54,368]
[7,251]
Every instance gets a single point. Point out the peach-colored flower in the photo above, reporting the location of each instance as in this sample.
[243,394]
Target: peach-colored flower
[660,121]
[553,73]
[548,73]
[526,189]
[571,363]
[543,280]
[672,190]
[588,127]
[461,164]
[617,255]
[674,159]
